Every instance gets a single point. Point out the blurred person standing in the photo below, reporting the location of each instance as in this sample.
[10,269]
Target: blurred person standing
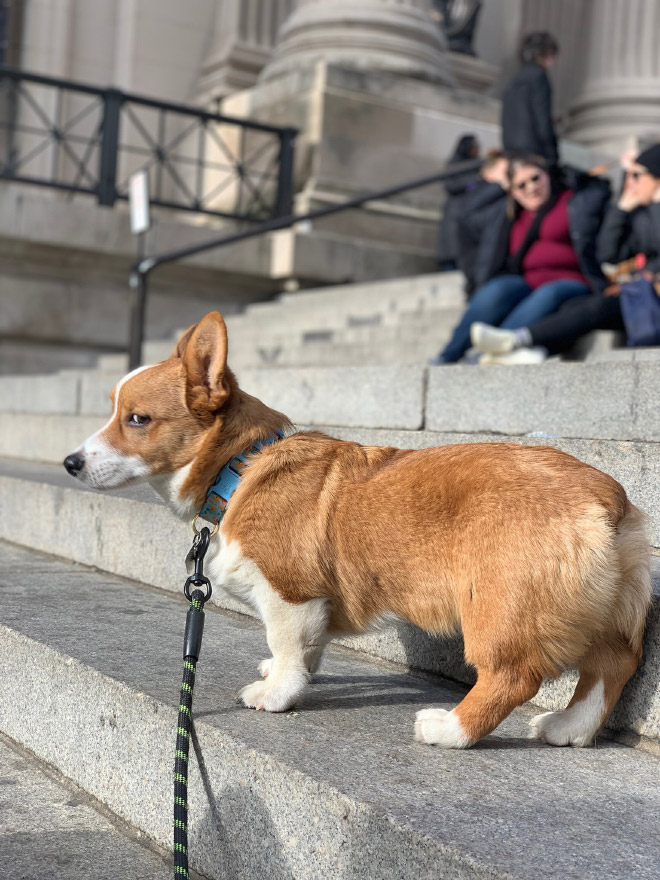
[527,123]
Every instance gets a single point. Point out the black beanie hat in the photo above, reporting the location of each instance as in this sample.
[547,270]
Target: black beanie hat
[650,159]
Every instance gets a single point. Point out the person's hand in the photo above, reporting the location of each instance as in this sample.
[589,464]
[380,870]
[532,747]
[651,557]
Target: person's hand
[628,159]
[629,199]
[612,290]
[597,170]
[497,173]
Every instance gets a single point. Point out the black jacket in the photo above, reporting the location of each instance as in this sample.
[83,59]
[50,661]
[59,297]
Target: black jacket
[624,234]
[585,214]
[527,114]
[475,215]
[458,188]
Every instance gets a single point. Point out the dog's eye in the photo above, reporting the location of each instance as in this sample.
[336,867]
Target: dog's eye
[136,421]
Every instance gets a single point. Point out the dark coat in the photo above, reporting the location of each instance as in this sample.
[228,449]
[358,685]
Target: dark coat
[527,124]
[458,188]
[472,221]
[585,213]
[626,233]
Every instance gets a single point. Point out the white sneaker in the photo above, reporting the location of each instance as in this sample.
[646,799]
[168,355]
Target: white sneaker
[519,356]
[492,340]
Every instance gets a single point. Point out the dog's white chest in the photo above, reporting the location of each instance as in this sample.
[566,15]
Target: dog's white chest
[230,570]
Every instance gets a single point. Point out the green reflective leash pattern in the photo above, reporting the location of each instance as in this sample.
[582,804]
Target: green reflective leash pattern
[191,648]
[184,724]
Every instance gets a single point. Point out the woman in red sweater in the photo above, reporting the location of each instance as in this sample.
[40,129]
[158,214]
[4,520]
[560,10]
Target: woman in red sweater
[538,251]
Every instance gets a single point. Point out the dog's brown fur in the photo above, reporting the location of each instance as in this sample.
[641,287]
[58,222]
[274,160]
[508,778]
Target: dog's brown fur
[539,559]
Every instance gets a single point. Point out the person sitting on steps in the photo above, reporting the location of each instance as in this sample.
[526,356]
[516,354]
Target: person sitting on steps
[537,250]
[491,188]
[630,233]
[457,188]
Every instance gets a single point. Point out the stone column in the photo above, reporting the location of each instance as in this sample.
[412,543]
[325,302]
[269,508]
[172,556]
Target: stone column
[390,36]
[245,34]
[617,104]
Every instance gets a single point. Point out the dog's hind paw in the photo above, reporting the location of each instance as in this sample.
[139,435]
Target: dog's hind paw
[562,729]
[439,727]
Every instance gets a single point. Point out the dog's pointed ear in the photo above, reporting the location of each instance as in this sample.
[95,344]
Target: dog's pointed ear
[204,359]
[182,344]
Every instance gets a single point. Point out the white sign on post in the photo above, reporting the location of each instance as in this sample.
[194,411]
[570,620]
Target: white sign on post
[138,200]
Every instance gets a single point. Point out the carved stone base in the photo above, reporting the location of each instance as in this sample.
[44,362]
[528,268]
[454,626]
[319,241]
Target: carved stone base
[373,35]
[367,131]
[472,73]
[619,115]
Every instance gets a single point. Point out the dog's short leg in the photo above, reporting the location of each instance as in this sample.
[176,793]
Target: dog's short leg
[489,702]
[296,635]
[603,674]
[313,657]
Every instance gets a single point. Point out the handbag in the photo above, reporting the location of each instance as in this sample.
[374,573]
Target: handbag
[640,308]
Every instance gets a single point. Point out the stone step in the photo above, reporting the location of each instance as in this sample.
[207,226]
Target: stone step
[384,396]
[52,829]
[130,532]
[336,788]
[346,307]
[440,289]
[389,327]
[609,401]
[418,337]
[624,355]
[300,338]
[332,354]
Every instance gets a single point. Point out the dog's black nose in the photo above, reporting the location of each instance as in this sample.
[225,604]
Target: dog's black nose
[74,463]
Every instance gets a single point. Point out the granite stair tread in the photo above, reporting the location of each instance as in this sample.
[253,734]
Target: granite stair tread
[337,787]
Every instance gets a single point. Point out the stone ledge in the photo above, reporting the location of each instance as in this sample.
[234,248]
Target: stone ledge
[594,401]
[337,788]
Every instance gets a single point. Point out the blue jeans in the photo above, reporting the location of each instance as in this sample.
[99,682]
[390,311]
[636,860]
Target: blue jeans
[509,302]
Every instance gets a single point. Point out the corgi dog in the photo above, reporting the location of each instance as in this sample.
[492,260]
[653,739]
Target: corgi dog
[540,560]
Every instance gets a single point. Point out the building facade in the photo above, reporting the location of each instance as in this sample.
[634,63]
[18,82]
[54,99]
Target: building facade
[607,80]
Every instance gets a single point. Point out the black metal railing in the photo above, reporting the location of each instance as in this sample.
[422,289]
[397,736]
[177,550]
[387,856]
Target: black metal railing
[144,267]
[84,139]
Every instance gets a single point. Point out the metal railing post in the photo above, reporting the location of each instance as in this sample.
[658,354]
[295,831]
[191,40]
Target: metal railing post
[284,202]
[138,289]
[109,145]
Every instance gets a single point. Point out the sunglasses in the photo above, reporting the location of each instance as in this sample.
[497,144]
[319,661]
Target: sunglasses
[525,183]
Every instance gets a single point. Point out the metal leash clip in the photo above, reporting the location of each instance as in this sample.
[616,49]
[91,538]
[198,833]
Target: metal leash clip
[197,553]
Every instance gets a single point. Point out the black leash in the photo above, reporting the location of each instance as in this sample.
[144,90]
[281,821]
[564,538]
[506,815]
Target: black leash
[191,647]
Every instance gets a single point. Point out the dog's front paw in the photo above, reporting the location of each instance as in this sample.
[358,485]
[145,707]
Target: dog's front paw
[439,727]
[260,695]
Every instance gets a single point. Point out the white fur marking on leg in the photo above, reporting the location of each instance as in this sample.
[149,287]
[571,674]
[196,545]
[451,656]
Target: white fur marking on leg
[575,726]
[296,632]
[439,727]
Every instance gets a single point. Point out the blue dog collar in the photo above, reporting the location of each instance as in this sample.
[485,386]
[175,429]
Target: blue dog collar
[228,479]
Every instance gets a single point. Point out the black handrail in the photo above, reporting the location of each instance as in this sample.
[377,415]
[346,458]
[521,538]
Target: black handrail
[142,269]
